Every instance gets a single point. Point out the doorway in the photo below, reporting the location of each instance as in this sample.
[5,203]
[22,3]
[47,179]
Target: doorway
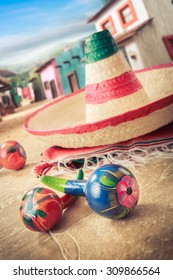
[53,89]
[73,82]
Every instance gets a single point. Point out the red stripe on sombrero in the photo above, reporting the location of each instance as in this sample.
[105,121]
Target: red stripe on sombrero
[113,121]
[114,88]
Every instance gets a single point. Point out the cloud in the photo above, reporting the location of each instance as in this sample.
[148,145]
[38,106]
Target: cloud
[24,48]
[41,30]
[15,43]
[25,56]
[87,6]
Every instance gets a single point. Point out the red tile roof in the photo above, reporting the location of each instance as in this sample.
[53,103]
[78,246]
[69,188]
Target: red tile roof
[6,73]
[44,65]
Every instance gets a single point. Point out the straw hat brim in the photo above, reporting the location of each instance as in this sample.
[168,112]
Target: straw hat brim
[62,121]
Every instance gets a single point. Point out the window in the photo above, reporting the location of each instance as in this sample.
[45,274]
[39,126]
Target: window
[168,40]
[46,85]
[108,24]
[127,14]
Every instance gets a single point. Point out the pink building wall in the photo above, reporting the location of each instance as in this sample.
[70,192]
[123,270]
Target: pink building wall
[48,73]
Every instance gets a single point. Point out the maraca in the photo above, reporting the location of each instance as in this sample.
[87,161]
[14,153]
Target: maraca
[111,190]
[41,208]
[12,155]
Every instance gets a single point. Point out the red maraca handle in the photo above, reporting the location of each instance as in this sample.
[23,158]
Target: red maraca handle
[67,200]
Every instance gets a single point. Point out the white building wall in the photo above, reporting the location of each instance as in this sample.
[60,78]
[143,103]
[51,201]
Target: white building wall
[146,48]
[19,92]
[131,48]
[139,7]
[133,54]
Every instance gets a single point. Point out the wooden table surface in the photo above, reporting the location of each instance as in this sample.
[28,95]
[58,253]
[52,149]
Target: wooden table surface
[145,234]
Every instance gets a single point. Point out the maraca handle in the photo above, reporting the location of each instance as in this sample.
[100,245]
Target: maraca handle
[68,199]
[72,187]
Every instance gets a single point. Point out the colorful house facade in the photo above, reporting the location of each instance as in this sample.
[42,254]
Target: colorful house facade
[71,67]
[27,92]
[37,88]
[50,79]
[65,73]
[6,103]
[142,28]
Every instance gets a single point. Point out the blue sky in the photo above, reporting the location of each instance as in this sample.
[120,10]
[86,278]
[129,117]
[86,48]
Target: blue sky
[30,28]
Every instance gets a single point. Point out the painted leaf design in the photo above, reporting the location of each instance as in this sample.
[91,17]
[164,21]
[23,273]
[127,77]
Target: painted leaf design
[41,213]
[29,223]
[39,190]
[25,196]
[123,213]
[105,180]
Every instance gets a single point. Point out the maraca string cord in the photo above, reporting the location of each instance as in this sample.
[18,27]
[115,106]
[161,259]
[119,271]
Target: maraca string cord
[64,251]
[61,248]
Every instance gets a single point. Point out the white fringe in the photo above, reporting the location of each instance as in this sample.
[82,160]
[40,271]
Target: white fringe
[128,158]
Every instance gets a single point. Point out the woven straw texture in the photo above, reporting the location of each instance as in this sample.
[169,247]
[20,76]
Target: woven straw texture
[158,82]
[114,107]
[110,135]
[107,68]
[117,87]
[69,114]
[60,114]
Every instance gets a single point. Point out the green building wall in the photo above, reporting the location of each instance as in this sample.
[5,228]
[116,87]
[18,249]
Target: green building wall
[72,60]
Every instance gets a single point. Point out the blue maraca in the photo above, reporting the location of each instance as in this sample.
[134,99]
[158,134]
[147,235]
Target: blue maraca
[111,190]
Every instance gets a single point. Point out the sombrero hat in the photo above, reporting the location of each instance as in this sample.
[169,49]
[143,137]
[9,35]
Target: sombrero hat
[117,104]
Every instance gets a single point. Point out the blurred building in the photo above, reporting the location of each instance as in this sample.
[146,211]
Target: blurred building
[71,68]
[6,103]
[65,73]
[50,79]
[142,28]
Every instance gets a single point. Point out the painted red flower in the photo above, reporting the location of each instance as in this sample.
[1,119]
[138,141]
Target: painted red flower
[128,191]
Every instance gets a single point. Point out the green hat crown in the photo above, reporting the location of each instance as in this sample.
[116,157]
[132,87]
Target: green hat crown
[99,46]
